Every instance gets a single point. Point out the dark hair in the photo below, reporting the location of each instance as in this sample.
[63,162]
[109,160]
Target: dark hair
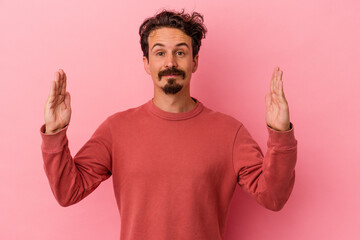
[192,25]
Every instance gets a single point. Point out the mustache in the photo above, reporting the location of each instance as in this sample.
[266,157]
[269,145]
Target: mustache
[171,71]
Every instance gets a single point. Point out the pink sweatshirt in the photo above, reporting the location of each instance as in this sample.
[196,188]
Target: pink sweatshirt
[174,174]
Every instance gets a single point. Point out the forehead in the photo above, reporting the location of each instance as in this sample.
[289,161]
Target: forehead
[168,36]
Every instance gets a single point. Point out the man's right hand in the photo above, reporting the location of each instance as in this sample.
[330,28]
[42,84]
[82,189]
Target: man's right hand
[57,106]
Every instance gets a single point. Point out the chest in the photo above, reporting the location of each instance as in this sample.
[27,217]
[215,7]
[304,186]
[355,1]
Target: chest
[171,154]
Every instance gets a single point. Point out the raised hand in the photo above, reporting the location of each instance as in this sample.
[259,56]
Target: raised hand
[57,106]
[277,108]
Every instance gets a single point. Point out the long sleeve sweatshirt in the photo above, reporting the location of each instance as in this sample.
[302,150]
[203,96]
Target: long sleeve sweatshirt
[174,174]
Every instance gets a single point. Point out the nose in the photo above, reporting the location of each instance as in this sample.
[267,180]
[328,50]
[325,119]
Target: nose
[170,61]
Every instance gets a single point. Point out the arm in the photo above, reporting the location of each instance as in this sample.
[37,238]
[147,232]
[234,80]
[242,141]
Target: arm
[72,179]
[271,179]
[268,179]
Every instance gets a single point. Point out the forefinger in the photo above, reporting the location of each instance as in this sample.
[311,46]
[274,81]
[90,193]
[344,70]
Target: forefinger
[53,84]
[63,83]
[272,82]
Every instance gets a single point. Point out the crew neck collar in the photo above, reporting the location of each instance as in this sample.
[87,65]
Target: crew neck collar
[174,116]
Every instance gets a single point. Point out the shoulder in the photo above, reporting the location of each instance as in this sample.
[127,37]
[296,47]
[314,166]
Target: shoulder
[222,119]
[125,115]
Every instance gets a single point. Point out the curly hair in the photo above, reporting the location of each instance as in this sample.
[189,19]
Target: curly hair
[192,25]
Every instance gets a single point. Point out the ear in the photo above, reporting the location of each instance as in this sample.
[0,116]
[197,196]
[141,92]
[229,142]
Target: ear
[196,62]
[146,65]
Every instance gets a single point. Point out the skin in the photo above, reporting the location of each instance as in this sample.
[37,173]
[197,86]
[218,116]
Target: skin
[162,58]
[57,106]
[277,108]
[166,57]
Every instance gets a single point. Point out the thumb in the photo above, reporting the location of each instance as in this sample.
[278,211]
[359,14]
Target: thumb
[67,99]
[268,99]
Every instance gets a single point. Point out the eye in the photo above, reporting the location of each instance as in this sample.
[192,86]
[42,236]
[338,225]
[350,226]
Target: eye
[181,53]
[159,53]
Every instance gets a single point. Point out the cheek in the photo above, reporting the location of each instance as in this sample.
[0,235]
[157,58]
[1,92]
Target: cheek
[190,64]
[153,69]
[155,66]
[189,68]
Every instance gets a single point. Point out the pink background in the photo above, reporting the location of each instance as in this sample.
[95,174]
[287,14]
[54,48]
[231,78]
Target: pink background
[315,43]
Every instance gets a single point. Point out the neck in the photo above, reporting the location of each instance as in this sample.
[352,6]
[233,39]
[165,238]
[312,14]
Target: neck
[175,103]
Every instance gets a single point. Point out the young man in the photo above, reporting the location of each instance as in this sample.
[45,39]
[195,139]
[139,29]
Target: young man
[175,163]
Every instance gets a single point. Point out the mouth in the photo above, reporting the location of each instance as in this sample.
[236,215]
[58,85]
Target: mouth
[171,76]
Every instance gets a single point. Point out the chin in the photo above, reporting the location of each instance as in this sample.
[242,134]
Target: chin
[172,88]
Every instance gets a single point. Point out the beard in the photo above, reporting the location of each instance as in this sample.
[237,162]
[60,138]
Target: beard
[171,86]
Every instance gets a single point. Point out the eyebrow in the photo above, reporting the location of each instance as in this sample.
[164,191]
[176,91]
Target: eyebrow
[177,45]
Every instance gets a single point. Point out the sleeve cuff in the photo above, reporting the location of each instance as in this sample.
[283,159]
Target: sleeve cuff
[281,139]
[53,142]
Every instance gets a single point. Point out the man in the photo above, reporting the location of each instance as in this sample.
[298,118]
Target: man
[175,163]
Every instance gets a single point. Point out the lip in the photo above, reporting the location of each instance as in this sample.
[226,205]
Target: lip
[171,75]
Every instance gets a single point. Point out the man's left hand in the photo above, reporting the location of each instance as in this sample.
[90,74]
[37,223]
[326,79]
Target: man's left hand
[277,108]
